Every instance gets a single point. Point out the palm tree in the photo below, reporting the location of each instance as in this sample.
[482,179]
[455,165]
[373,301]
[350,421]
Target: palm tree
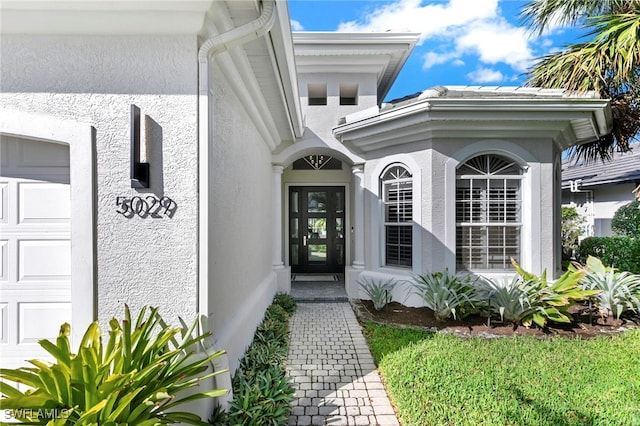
[609,63]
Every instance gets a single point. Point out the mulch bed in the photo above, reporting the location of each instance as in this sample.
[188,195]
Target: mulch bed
[584,326]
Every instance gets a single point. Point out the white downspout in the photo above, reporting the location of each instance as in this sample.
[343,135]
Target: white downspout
[211,47]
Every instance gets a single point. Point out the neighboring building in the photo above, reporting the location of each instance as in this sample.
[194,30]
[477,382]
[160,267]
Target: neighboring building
[598,189]
[269,153]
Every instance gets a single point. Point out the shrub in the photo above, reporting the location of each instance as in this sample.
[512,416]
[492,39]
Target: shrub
[626,220]
[618,292]
[572,223]
[445,294]
[286,302]
[550,301]
[622,253]
[379,292]
[262,393]
[135,379]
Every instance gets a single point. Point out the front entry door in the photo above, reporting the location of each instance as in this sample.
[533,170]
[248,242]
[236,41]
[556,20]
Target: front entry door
[316,229]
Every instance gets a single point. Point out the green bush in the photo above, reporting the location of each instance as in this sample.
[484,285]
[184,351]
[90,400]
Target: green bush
[622,253]
[379,292]
[446,294]
[262,393]
[531,299]
[286,302]
[572,223]
[137,378]
[618,292]
[626,220]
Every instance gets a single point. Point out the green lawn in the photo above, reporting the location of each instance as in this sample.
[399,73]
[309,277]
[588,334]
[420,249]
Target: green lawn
[436,379]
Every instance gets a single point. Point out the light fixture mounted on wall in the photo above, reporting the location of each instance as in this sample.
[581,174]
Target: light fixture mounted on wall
[139,170]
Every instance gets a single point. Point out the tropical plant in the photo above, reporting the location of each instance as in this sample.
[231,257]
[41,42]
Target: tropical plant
[550,301]
[379,292]
[262,393]
[618,292]
[513,301]
[139,377]
[609,63]
[286,302]
[622,253]
[626,220]
[571,229]
[446,294]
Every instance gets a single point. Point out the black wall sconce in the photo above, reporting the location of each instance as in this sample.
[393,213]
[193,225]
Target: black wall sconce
[139,171]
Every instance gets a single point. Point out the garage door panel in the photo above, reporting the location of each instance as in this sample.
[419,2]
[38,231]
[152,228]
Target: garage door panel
[4,261]
[41,320]
[4,194]
[4,314]
[44,203]
[44,260]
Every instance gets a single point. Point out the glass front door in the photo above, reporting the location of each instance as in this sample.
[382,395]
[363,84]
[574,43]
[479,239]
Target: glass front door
[316,229]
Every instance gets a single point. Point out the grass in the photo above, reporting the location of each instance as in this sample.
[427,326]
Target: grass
[437,379]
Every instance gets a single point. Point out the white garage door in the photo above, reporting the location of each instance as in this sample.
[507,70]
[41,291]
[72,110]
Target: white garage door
[35,243]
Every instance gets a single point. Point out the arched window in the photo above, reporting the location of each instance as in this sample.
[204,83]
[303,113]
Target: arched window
[397,196]
[488,213]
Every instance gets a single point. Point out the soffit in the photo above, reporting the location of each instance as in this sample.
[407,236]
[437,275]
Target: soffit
[565,121]
[382,54]
[103,17]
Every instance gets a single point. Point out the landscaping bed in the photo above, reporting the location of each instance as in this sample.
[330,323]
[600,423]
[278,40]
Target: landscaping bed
[584,326]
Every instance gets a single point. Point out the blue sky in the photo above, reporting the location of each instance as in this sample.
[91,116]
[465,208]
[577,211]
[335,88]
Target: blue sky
[463,42]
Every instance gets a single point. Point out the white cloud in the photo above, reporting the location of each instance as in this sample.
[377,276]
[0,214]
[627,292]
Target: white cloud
[430,20]
[497,41]
[296,26]
[454,29]
[432,58]
[486,75]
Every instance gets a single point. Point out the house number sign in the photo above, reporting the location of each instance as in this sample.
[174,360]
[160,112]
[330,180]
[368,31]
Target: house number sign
[146,206]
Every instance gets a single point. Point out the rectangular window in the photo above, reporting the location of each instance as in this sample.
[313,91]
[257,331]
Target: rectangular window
[488,223]
[398,217]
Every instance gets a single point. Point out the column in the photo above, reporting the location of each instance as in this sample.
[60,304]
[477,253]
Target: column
[277,217]
[358,210]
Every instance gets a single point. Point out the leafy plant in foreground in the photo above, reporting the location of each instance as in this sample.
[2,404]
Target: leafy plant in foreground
[379,292]
[618,292]
[551,301]
[138,378]
[446,294]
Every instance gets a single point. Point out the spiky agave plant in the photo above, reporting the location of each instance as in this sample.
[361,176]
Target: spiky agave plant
[138,378]
[446,294]
[618,291]
[379,292]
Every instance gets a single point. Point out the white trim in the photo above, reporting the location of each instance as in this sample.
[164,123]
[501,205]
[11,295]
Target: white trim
[81,140]
[376,241]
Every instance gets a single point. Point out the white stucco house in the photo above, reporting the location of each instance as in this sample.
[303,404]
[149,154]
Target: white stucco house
[268,153]
[597,190]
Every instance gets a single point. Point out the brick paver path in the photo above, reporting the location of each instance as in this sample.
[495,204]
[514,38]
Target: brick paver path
[333,373]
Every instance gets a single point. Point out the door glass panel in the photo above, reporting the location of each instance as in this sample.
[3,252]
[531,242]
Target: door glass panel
[340,253]
[294,202]
[294,255]
[317,227]
[317,202]
[317,252]
[294,228]
[339,228]
[339,200]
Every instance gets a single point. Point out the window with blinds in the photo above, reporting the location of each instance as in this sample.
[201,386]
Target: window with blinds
[488,213]
[397,197]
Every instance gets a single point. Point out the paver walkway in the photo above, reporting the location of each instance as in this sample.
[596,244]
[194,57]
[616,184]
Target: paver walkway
[333,373]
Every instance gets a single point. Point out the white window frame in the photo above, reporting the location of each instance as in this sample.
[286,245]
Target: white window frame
[488,177]
[400,179]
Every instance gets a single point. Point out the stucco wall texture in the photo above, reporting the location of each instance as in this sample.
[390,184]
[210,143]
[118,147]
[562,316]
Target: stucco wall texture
[140,261]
